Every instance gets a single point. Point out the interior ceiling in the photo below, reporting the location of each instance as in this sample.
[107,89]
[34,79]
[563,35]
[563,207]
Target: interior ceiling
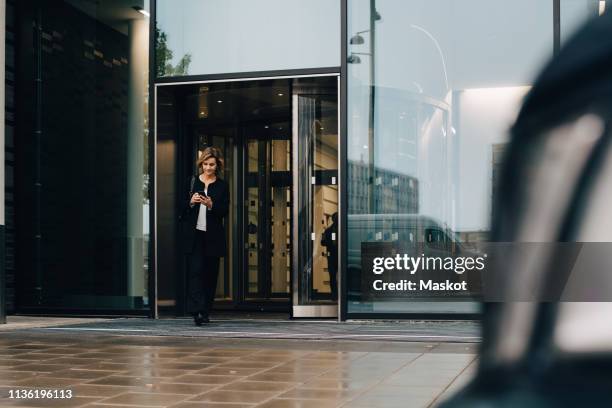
[262,103]
[113,13]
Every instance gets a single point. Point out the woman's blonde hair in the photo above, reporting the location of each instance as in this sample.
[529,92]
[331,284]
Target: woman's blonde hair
[207,154]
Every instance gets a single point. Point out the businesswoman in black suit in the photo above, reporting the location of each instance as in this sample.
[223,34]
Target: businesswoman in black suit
[204,234]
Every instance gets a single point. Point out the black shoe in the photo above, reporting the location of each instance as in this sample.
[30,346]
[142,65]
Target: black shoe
[200,319]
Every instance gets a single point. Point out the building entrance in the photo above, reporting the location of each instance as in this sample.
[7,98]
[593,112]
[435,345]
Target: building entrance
[280,142]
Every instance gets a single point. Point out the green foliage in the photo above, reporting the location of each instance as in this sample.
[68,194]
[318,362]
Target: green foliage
[163,65]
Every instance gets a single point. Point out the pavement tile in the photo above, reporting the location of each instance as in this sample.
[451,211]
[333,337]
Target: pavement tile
[246,397]
[192,404]
[150,399]
[187,372]
[294,403]
[238,372]
[318,394]
[204,379]
[257,386]
[55,403]
[123,380]
[102,391]
[282,377]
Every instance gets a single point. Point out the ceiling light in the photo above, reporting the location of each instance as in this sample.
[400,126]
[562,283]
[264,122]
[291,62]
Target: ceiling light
[267,127]
[219,101]
[602,6]
[142,11]
[281,94]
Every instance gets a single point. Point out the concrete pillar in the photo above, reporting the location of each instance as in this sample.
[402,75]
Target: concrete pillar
[2,93]
[137,105]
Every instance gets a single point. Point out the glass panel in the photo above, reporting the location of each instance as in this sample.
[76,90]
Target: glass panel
[280,224]
[574,13]
[85,117]
[252,205]
[317,198]
[222,139]
[211,36]
[432,89]
[268,231]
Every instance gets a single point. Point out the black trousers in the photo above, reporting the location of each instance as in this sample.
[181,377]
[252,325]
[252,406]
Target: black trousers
[332,267]
[202,277]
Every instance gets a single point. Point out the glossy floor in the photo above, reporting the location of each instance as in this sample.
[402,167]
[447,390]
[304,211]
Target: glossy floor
[103,370]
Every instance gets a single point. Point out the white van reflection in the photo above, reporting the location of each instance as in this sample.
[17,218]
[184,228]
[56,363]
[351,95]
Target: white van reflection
[417,235]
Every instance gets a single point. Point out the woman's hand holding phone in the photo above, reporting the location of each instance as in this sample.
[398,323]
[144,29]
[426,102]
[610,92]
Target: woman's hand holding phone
[196,198]
[200,197]
[207,201]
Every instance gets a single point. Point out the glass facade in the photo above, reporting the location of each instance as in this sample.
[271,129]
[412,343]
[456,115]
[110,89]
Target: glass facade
[212,37]
[81,209]
[574,13]
[432,90]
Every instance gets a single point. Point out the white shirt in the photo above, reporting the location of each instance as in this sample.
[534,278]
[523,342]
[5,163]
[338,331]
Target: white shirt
[201,224]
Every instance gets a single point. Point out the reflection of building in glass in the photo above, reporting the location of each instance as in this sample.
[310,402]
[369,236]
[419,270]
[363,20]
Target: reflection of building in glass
[497,155]
[395,193]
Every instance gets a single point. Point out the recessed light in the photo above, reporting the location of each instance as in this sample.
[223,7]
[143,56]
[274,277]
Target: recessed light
[219,101]
[267,127]
[280,128]
[280,94]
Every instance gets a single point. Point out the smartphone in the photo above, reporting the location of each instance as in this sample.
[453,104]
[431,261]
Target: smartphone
[202,193]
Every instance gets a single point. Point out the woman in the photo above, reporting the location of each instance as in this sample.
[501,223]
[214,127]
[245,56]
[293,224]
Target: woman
[204,235]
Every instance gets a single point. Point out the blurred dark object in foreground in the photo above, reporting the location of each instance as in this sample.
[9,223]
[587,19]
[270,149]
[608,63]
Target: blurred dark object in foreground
[556,187]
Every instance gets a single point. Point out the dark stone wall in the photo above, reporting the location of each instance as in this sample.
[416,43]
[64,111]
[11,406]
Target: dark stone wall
[7,261]
[71,159]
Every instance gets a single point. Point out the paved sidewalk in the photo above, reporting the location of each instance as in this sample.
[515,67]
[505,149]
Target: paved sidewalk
[107,370]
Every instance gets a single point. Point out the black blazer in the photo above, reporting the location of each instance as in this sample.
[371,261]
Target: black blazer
[216,244]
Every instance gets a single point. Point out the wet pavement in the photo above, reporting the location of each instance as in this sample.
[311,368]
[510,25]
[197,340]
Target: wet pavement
[102,369]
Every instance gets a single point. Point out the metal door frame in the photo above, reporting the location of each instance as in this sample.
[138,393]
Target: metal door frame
[297,311]
[312,311]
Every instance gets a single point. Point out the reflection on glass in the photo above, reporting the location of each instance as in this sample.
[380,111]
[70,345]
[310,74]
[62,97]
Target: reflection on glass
[88,69]
[427,128]
[317,198]
[281,226]
[574,13]
[253,217]
[269,217]
[196,38]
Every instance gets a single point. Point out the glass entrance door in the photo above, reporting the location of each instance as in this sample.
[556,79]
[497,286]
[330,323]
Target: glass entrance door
[315,154]
[267,213]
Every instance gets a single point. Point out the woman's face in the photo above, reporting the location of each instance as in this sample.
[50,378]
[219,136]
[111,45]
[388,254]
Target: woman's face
[209,166]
